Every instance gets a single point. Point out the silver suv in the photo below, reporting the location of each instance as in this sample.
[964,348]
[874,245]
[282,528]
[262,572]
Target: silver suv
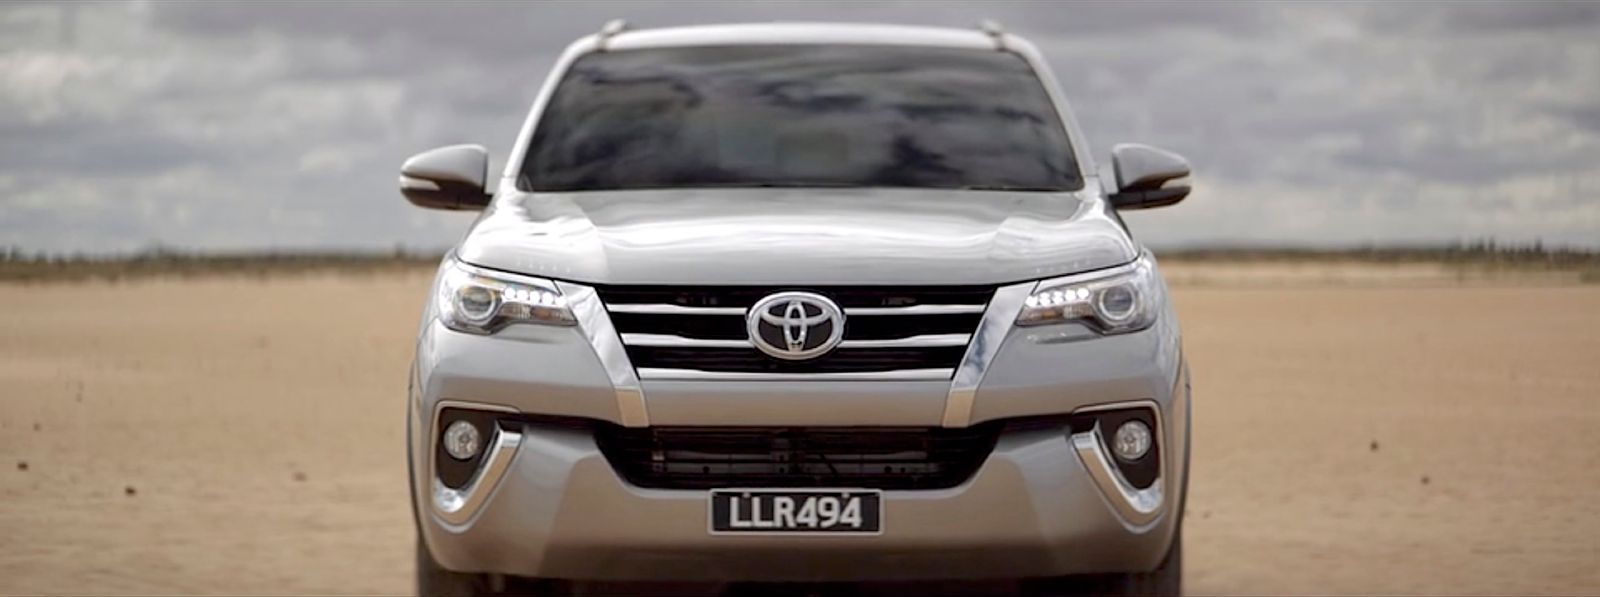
[798,303]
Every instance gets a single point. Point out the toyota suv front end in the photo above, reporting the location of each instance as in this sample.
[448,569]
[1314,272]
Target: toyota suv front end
[798,303]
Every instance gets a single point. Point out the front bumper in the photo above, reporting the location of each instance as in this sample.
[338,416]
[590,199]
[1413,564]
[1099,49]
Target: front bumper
[1033,509]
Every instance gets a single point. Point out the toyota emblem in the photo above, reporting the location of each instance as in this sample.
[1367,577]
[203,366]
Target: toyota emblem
[795,325]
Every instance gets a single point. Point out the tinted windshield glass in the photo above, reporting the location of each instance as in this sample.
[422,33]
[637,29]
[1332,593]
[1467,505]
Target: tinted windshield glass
[786,115]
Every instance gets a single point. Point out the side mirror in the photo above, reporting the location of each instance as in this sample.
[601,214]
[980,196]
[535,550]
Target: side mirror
[447,178]
[1142,175]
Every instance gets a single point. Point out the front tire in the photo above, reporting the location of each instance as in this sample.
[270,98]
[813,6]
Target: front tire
[434,580]
[1165,580]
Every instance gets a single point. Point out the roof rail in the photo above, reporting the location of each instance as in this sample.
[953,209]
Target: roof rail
[609,30]
[995,32]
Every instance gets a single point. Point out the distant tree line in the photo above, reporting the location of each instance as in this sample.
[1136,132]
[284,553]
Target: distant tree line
[1483,251]
[19,264]
[163,253]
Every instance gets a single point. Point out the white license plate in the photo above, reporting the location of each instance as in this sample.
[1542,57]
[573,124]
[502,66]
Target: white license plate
[796,511]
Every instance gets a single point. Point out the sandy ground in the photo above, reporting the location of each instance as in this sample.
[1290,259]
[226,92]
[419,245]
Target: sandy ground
[244,436]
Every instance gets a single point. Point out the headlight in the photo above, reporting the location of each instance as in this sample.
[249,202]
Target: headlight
[1121,301]
[480,301]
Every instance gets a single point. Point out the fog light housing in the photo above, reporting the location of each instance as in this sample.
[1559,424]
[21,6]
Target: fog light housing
[462,440]
[1132,440]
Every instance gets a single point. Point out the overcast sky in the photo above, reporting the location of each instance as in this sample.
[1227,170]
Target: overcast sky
[281,125]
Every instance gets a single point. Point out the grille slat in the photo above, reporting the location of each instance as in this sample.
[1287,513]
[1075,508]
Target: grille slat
[648,313]
[846,296]
[842,360]
[874,458]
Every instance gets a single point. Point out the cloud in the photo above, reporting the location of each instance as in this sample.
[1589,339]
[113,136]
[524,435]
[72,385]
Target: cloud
[246,125]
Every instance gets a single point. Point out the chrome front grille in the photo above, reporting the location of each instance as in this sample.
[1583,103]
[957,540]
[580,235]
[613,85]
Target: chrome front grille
[892,332]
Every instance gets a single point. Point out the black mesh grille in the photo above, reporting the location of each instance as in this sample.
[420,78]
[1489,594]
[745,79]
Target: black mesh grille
[749,360]
[844,457]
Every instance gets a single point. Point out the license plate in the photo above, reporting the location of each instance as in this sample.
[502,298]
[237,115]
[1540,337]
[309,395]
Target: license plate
[786,511]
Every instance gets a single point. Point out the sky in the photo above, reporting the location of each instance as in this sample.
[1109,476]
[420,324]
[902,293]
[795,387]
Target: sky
[245,126]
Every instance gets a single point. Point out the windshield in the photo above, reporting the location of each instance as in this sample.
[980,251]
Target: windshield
[787,115]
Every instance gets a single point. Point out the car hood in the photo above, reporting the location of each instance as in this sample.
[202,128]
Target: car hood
[797,236]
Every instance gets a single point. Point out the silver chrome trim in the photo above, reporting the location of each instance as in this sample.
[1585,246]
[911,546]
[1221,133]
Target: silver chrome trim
[997,321]
[664,309]
[596,325]
[915,310]
[457,506]
[1138,507]
[668,309]
[698,375]
[669,340]
[925,340]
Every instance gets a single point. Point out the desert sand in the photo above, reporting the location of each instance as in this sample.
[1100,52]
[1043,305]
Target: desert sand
[1405,433]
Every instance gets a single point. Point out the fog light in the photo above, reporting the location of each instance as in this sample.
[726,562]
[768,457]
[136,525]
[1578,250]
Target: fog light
[462,440]
[1132,441]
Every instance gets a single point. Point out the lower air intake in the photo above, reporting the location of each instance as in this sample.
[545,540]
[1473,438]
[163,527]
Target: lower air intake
[842,457]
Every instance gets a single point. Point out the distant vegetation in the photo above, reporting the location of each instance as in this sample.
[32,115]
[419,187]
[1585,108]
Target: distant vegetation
[20,266]
[16,266]
[1480,253]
